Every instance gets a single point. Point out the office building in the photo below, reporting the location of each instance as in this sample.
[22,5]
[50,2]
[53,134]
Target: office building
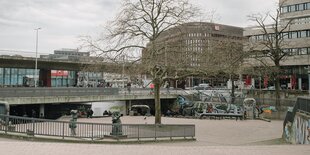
[294,73]
[190,44]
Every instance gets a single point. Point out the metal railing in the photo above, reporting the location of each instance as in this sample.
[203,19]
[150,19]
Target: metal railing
[39,92]
[92,131]
[78,91]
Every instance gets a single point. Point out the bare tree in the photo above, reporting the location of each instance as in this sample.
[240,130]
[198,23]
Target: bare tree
[136,29]
[228,58]
[269,45]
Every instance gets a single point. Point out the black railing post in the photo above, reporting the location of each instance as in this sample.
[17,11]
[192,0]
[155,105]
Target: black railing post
[155,132]
[184,132]
[138,132]
[92,132]
[194,133]
[33,126]
[6,123]
[171,133]
[63,130]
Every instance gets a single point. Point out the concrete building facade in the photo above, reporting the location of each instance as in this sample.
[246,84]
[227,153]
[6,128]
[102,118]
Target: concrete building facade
[296,43]
[191,42]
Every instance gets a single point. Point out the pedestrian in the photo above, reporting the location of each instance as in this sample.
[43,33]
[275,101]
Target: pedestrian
[129,87]
[245,115]
[41,115]
[91,112]
[105,113]
[167,86]
[152,88]
[33,113]
[88,113]
[168,113]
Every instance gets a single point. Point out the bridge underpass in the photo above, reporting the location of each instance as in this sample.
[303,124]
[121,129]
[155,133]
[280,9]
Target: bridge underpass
[54,102]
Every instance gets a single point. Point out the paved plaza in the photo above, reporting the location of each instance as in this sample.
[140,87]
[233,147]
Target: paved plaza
[213,137]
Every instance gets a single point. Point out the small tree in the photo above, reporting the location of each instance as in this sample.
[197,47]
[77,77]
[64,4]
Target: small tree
[269,46]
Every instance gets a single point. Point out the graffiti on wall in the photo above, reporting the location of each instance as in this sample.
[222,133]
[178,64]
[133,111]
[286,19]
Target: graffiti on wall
[301,130]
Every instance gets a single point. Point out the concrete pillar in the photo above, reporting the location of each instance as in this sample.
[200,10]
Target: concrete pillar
[129,104]
[45,78]
[300,83]
[128,107]
[41,114]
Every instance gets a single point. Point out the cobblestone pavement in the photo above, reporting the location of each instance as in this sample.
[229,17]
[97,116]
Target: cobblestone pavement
[216,137]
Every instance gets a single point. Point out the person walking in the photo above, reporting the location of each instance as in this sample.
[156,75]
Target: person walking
[129,87]
[91,112]
[33,113]
[152,88]
[167,86]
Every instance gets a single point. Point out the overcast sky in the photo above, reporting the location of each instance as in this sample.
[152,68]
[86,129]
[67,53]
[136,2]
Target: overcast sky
[63,21]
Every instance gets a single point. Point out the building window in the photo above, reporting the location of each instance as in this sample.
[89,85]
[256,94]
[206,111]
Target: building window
[297,7]
[285,35]
[284,9]
[303,34]
[303,51]
[301,7]
[292,8]
[294,35]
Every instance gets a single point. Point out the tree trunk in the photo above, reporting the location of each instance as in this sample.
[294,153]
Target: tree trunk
[277,86]
[157,102]
[232,95]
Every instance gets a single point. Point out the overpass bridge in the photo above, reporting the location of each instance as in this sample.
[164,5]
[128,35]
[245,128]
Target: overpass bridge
[52,95]
[49,64]
[52,102]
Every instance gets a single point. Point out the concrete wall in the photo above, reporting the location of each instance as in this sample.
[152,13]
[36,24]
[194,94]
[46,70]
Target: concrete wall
[297,132]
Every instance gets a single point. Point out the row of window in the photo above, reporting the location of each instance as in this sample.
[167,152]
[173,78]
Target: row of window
[295,7]
[18,71]
[289,51]
[297,51]
[212,35]
[299,21]
[285,35]
[25,77]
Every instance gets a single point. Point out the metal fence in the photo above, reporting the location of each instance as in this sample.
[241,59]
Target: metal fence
[92,131]
[78,91]
[39,92]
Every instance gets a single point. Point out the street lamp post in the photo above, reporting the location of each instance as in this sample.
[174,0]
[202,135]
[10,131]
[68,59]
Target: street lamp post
[36,63]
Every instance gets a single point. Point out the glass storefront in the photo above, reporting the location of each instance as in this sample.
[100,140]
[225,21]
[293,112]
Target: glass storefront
[20,77]
[16,77]
[89,79]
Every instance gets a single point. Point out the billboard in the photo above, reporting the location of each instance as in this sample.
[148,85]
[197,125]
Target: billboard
[59,73]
